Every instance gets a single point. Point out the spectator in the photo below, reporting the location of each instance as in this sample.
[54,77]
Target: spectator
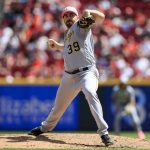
[26,24]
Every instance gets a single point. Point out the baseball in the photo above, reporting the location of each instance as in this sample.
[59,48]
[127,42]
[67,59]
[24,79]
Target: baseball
[51,43]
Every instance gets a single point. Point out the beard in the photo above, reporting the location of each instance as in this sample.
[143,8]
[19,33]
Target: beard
[69,23]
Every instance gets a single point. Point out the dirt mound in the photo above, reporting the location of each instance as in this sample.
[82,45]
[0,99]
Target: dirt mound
[67,140]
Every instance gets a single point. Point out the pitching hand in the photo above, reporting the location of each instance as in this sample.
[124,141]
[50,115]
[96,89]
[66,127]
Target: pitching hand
[52,44]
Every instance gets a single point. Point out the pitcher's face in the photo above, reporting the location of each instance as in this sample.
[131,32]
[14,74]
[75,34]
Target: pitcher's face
[69,19]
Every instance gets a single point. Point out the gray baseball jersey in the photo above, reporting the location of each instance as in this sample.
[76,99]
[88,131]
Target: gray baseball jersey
[123,97]
[78,48]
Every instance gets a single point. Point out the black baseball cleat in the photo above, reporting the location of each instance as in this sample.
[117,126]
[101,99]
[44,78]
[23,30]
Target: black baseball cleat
[106,140]
[35,131]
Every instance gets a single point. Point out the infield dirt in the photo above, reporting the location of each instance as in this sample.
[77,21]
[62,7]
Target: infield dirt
[67,140]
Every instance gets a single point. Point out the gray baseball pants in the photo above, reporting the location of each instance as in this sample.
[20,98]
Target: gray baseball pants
[70,86]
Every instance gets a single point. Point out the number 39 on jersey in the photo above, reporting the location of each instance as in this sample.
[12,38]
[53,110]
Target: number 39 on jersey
[73,47]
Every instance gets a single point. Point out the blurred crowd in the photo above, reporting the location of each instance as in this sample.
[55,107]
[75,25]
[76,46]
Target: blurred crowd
[122,42]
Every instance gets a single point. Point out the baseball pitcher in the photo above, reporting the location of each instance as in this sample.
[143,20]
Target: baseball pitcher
[80,72]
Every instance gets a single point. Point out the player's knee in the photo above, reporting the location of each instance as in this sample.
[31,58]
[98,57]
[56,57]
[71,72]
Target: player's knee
[90,95]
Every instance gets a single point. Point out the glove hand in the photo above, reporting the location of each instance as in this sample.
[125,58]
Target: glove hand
[128,108]
[86,20]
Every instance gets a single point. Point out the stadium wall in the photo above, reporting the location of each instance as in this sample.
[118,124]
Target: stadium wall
[25,103]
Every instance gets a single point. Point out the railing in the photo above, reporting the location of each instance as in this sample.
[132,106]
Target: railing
[56,81]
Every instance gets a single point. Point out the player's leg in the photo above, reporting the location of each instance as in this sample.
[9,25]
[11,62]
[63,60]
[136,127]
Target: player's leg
[117,121]
[65,94]
[89,88]
[137,123]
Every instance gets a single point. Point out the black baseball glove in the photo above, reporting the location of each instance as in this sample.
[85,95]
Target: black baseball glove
[85,22]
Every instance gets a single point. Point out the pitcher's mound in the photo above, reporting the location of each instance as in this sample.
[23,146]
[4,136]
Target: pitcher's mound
[67,140]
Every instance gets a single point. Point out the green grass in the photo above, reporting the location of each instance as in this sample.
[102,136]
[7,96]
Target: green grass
[126,134]
[76,149]
[12,132]
[134,135]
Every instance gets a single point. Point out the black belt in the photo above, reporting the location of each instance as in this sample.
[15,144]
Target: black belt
[78,70]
